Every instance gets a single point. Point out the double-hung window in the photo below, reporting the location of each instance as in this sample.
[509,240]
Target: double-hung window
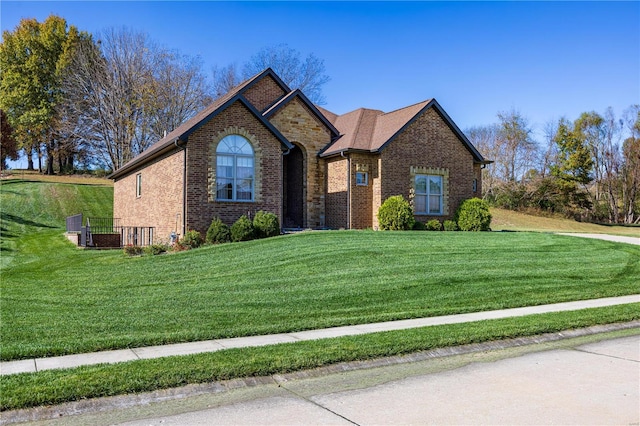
[428,195]
[234,169]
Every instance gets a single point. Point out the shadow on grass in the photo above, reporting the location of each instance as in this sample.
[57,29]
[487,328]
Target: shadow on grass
[21,221]
[18,180]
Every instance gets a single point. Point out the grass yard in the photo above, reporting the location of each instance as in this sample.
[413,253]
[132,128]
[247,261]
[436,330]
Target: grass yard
[56,299]
[58,386]
[516,221]
[59,300]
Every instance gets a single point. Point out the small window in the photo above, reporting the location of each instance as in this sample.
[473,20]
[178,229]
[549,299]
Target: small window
[362,178]
[138,185]
[475,185]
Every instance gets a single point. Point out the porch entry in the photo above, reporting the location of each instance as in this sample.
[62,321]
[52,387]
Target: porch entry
[293,192]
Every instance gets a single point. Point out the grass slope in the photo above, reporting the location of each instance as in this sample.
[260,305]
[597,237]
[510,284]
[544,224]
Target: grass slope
[516,221]
[59,300]
[36,207]
[70,301]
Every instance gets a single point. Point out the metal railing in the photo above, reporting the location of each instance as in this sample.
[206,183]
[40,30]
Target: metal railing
[99,231]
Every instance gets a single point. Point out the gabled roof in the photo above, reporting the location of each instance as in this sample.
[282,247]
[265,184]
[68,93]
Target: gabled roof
[182,132]
[372,130]
[312,108]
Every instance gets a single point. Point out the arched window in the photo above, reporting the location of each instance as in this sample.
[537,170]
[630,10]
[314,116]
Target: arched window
[234,169]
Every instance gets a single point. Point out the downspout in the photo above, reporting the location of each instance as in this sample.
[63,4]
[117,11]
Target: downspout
[283,194]
[184,185]
[348,188]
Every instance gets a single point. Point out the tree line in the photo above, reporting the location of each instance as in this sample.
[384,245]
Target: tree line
[77,100]
[588,168]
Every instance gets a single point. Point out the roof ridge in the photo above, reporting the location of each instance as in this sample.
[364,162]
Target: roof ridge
[426,101]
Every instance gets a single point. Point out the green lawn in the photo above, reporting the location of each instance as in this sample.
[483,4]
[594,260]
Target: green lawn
[59,300]
[56,299]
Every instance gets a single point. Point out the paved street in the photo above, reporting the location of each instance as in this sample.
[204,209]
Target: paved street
[581,381]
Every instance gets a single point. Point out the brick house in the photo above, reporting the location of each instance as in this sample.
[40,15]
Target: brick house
[263,146]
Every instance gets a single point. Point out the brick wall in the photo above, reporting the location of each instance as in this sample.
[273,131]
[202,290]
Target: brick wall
[160,201]
[264,93]
[202,206]
[428,143]
[336,197]
[362,196]
[302,128]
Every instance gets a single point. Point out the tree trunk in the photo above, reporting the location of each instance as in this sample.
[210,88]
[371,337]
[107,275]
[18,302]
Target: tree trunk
[50,159]
[29,153]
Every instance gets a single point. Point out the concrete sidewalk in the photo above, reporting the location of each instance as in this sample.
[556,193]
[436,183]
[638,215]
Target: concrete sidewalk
[124,355]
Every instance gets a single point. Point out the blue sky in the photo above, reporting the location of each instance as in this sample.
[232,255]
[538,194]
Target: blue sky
[545,59]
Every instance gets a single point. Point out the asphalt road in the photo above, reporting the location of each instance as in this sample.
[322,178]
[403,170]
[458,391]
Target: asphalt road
[578,381]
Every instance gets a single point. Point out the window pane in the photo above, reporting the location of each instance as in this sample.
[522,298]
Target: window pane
[420,203]
[421,184]
[224,189]
[434,204]
[435,185]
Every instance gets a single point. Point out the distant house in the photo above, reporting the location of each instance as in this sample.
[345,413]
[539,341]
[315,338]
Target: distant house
[263,146]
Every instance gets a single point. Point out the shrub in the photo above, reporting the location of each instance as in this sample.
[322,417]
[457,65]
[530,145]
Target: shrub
[242,230]
[395,214]
[218,232]
[433,225]
[450,225]
[265,225]
[418,226]
[155,249]
[473,215]
[192,239]
[132,250]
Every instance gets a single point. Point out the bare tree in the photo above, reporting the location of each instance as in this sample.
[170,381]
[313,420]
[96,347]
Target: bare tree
[550,154]
[517,148]
[630,169]
[225,79]
[485,139]
[124,92]
[306,74]
[180,90]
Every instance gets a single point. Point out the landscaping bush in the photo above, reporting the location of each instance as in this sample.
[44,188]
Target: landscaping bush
[218,232]
[132,250]
[395,214]
[433,225]
[242,230]
[450,225]
[418,226]
[192,239]
[155,249]
[265,225]
[473,215]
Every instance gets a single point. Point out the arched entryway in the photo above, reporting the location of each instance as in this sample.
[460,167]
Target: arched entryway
[293,191]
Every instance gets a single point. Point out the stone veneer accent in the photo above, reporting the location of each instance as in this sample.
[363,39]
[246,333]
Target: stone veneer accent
[413,171]
[301,127]
[257,163]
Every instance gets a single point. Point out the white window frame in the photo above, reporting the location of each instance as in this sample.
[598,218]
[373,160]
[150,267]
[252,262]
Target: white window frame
[235,154]
[139,185]
[362,178]
[427,195]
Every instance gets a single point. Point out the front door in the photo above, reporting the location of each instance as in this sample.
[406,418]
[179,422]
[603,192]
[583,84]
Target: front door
[293,192]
